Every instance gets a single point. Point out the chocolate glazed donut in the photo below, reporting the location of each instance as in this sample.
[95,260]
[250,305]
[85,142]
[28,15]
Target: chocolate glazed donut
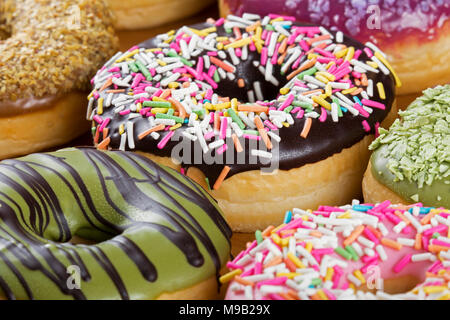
[153,227]
[326,137]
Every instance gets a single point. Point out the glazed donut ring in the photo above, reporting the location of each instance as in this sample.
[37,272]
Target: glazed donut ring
[178,95]
[359,251]
[411,159]
[49,50]
[403,29]
[157,234]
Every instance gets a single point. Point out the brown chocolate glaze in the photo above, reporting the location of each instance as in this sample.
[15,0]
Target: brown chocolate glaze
[28,105]
[324,139]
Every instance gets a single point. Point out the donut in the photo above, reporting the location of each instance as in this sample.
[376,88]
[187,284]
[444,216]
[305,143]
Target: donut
[134,14]
[197,99]
[411,160]
[405,30]
[154,233]
[358,251]
[49,51]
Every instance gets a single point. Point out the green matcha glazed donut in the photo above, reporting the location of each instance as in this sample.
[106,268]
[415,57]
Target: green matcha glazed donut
[157,232]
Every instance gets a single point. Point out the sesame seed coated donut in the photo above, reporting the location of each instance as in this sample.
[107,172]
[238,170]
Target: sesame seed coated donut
[227,98]
[48,51]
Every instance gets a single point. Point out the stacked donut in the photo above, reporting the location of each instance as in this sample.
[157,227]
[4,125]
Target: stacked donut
[358,251]
[231,97]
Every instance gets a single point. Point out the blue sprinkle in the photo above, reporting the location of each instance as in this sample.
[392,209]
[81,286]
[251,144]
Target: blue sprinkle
[344,109]
[360,207]
[357,100]
[287,216]
[423,210]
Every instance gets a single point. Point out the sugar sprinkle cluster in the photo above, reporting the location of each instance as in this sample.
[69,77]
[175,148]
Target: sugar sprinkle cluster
[313,254]
[175,84]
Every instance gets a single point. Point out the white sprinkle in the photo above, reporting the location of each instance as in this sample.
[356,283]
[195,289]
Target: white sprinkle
[366,242]
[261,153]
[406,242]
[339,37]
[380,65]
[130,134]
[258,91]
[381,252]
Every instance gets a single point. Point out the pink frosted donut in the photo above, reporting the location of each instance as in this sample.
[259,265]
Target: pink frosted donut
[358,251]
[415,34]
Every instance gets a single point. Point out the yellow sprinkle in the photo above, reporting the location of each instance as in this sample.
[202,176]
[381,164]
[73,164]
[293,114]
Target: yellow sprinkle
[327,75]
[312,56]
[341,53]
[221,39]
[276,238]
[138,107]
[161,63]
[289,275]
[208,106]
[168,40]
[238,44]
[128,55]
[350,54]
[434,289]
[298,263]
[276,20]
[100,106]
[194,101]
[220,106]
[153,49]
[229,276]
[278,228]
[329,274]
[381,90]
[373,64]
[285,124]
[347,91]
[121,129]
[284,242]
[346,215]
[91,94]
[387,64]
[158,99]
[258,43]
[322,78]
[234,103]
[352,286]
[284,90]
[173,85]
[209,30]
[171,32]
[159,110]
[330,64]
[174,127]
[322,102]
[322,294]
[281,37]
[309,246]
[220,46]
[305,217]
[258,32]
[358,274]
[199,32]
[328,90]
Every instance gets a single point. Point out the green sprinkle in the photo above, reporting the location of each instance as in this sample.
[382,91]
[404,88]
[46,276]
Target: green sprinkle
[303,104]
[343,253]
[252,132]
[207,183]
[288,109]
[235,118]
[335,100]
[436,235]
[182,59]
[216,77]
[166,116]
[316,281]
[269,27]
[200,112]
[144,70]
[133,67]
[258,236]
[157,104]
[353,253]
[170,112]
[308,72]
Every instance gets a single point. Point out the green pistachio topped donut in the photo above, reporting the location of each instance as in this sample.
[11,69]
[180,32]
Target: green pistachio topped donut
[156,232]
[412,158]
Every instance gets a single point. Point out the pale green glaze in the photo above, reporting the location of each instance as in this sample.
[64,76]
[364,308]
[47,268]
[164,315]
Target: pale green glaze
[412,158]
[175,194]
